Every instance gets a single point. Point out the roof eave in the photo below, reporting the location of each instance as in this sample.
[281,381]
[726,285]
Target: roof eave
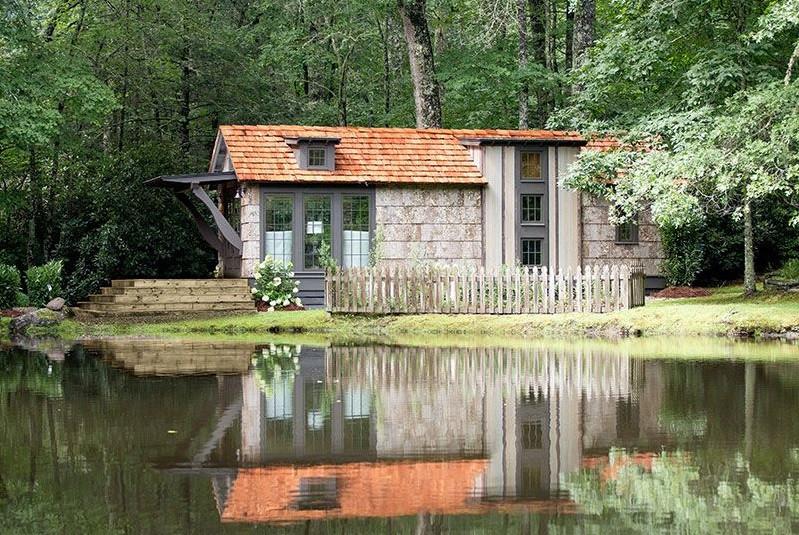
[522,141]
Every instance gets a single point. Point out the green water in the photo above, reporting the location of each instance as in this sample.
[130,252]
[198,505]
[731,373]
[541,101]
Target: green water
[178,437]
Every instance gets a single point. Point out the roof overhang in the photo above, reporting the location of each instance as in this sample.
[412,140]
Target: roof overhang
[522,141]
[185,181]
[321,140]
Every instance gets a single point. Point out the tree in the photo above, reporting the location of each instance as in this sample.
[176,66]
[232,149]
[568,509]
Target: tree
[426,91]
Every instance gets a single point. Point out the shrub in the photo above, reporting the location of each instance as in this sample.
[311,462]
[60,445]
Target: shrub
[22,300]
[685,255]
[44,282]
[275,284]
[9,286]
[790,270]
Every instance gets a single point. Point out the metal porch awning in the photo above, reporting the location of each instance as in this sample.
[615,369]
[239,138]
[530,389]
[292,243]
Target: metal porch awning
[181,185]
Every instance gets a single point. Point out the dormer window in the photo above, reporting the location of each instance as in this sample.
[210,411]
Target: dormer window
[314,153]
[317,157]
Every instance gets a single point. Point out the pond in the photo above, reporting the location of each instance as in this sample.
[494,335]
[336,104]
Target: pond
[152,436]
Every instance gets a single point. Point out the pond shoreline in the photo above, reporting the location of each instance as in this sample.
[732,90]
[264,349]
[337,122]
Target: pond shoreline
[725,313]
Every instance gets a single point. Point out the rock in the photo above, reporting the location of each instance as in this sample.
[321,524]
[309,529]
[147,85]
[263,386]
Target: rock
[42,317]
[56,304]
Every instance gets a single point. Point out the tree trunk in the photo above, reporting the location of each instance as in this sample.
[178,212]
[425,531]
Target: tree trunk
[426,94]
[569,35]
[185,102]
[749,251]
[524,89]
[791,62]
[583,33]
[538,44]
[550,30]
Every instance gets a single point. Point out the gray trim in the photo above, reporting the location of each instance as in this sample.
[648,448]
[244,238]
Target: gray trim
[298,218]
[303,154]
[532,187]
[185,181]
[522,141]
[544,160]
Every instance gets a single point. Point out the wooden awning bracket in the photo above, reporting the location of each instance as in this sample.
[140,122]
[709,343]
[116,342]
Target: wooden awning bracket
[224,226]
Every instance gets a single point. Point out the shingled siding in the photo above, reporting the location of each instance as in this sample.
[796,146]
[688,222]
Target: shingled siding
[430,224]
[250,230]
[599,239]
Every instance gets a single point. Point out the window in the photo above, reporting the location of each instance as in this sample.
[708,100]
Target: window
[531,165]
[532,209]
[355,223]
[317,229]
[317,157]
[531,251]
[627,232]
[278,238]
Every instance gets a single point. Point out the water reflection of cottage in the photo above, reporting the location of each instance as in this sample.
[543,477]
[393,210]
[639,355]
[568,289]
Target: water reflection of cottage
[441,430]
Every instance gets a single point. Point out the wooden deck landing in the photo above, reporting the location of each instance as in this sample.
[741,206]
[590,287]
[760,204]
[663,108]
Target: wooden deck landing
[141,297]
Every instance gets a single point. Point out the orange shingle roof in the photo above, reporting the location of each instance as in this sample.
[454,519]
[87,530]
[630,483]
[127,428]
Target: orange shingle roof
[370,155]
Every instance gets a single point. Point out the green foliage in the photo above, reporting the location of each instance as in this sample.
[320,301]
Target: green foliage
[790,270]
[10,285]
[326,259]
[23,300]
[44,282]
[275,284]
[685,254]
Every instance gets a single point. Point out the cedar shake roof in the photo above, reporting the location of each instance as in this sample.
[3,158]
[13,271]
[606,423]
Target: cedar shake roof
[372,155]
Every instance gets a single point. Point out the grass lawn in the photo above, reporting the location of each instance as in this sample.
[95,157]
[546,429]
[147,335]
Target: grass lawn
[726,312]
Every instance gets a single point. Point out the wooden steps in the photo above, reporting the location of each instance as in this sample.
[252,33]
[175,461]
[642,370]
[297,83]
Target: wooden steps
[174,357]
[142,297]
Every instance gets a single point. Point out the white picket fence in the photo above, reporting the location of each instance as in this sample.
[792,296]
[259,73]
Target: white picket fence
[455,290]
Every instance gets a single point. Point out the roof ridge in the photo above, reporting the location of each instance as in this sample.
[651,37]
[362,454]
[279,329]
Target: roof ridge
[457,132]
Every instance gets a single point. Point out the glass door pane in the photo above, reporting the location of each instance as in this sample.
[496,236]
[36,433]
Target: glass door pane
[355,221]
[278,238]
[317,229]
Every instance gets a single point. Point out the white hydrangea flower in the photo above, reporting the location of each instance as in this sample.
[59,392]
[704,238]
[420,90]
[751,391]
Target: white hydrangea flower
[296,290]
[276,281]
[272,303]
[264,298]
[254,291]
[298,302]
[257,275]
[286,303]
[270,309]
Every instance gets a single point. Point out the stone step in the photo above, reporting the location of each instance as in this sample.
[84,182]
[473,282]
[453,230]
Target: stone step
[173,298]
[179,283]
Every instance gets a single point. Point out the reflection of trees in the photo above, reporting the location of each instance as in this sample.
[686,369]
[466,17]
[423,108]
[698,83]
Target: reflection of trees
[31,372]
[720,409]
[77,441]
[673,493]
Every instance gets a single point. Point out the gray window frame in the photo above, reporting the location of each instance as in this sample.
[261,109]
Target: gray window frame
[532,187]
[634,233]
[542,252]
[540,222]
[298,218]
[542,158]
[330,156]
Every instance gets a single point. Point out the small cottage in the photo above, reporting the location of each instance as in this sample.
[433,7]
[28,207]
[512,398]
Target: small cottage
[395,195]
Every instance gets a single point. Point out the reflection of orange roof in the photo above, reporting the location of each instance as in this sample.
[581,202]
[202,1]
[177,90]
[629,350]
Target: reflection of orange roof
[374,155]
[361,490]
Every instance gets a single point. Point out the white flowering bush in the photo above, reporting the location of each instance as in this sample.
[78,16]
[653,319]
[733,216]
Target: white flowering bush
[275,286]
